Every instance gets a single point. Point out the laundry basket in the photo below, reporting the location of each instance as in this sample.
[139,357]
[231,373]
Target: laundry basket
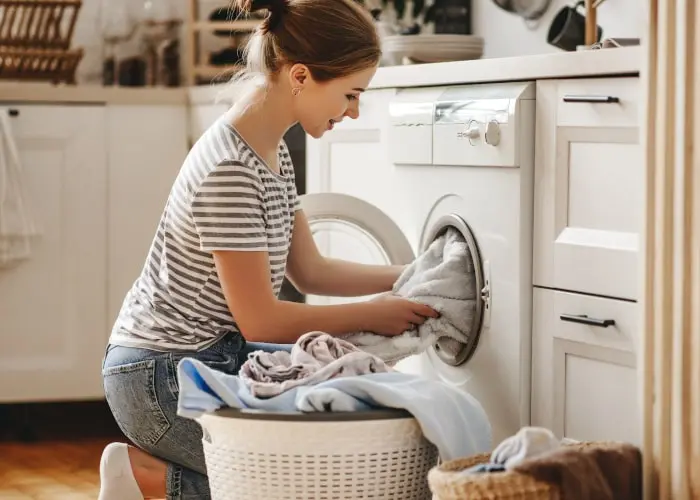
[376,454]
[448,481]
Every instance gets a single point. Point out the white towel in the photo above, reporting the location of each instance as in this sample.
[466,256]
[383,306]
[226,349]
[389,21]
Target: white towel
[16,224]
[315,357]
[527,443]
[443,277]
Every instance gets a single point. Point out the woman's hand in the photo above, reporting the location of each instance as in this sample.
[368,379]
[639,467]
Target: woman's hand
[390,315]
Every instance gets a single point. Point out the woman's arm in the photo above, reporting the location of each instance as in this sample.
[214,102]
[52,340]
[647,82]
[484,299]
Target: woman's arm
[312,273]
[261,317]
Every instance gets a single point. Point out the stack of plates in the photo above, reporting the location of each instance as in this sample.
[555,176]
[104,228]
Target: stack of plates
[433,48]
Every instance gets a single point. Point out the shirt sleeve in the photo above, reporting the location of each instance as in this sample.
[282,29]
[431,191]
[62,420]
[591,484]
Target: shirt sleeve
[228,209]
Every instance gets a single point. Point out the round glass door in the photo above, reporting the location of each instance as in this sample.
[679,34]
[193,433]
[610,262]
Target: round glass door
[348,228]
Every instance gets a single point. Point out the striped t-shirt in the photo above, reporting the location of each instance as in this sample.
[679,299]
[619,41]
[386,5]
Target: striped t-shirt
[224,198]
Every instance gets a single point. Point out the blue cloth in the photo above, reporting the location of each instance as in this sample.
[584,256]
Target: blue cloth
[451,419]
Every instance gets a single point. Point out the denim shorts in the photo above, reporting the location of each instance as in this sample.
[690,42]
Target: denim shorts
[141,389]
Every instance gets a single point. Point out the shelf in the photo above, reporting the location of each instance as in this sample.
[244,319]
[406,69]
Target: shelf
[216,71]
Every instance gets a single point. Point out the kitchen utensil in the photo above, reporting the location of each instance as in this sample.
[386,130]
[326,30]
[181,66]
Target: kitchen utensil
[568,29]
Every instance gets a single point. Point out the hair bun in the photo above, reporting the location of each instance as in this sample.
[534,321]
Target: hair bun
[276,11]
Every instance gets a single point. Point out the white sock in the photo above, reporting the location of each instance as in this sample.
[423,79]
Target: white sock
[117,480]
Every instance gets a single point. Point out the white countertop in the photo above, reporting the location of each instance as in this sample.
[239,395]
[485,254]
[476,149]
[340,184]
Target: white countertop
[38,92]
[590,63]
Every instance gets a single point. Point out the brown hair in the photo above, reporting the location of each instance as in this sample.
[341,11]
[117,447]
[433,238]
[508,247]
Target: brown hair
[333,38]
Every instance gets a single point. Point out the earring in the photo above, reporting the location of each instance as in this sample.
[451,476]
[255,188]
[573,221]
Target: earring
[295,91]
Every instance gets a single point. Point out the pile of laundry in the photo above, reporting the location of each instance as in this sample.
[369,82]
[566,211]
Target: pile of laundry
[578,471]
[323,373]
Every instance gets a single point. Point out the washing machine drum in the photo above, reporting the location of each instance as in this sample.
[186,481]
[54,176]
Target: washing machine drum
[449,350]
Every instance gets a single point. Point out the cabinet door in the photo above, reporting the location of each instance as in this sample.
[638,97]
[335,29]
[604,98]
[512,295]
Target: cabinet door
[353,159]
[52,306]
[584,378]
[589,186]
[146,147]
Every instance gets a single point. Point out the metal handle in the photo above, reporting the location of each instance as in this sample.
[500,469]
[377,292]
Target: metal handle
[585,320]
[13,112]
[591,98]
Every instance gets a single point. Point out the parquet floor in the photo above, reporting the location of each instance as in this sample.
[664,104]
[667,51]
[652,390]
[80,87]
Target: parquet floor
[50,470]
[51,451]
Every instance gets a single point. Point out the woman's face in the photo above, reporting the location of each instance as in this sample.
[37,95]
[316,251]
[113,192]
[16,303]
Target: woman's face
[318,106]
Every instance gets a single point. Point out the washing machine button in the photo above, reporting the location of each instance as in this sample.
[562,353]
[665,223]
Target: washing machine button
[492,136]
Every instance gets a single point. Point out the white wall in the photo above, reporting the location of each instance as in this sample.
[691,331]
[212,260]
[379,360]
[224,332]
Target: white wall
[507,35]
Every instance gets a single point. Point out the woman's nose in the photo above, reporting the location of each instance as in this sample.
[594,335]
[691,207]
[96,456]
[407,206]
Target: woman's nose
[353,110]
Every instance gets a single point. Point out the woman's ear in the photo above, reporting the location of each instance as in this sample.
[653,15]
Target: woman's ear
[299,76]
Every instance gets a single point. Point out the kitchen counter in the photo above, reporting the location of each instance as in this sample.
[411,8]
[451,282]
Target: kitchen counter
[606,62]
[38,92]
[588,63]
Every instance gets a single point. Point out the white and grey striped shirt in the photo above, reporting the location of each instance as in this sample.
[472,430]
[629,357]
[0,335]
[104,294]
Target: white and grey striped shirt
[224,198]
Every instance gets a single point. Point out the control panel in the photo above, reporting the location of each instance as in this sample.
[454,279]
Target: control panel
[468,125]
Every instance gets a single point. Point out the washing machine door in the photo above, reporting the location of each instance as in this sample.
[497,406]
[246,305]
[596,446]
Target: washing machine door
[448,350]
[349,228]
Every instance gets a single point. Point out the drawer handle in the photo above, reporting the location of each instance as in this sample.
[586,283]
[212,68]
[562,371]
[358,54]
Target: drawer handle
[591,98]
[13,112]
[585,320]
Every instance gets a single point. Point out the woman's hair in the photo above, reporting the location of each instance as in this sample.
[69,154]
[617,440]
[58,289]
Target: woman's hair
[333,38]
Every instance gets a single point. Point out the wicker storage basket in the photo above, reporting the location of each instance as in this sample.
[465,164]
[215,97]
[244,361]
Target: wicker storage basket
[35,38]
[379,454]
[449,482]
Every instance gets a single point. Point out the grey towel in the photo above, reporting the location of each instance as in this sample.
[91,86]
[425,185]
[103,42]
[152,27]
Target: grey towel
[315,357]
[443,277]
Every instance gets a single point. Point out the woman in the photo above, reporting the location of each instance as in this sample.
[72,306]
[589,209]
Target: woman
[231,230]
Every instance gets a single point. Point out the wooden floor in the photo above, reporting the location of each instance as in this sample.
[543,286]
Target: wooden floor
[50,470]
[50,453]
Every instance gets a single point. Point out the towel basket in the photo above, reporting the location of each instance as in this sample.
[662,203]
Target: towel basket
[448,481]
[379,454]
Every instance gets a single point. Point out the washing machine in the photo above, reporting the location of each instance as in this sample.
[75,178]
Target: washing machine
[461,157]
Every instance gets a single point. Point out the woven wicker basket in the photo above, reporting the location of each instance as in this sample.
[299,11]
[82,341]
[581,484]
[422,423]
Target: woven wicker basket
[448,481]
[35,38]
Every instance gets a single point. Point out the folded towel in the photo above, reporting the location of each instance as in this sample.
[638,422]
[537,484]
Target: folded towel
[598,472]
[16,224]
[442,277]
[451,419]
[315,357]
[527,443]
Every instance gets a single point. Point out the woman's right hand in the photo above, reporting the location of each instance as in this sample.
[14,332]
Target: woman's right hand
[390,315]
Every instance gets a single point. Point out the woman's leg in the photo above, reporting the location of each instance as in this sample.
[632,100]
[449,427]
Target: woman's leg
[142,391]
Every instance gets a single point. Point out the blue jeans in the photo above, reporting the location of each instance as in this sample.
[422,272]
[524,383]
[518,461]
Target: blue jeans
[142,390]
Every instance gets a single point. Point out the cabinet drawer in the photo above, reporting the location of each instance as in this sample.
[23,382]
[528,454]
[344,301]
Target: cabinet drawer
[584,379]
[589,191]
[582,103]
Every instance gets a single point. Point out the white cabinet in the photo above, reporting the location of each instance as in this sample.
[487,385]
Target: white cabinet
[146,145]
[97,178]
[589,185]
[584,351]
[52,306]
[353,159]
